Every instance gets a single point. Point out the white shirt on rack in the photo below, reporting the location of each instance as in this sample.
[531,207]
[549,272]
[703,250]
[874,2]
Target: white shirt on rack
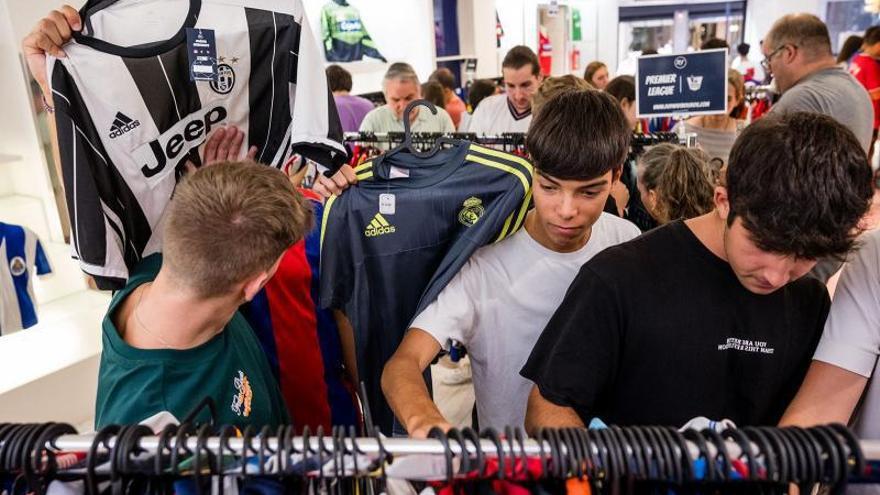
[495,115]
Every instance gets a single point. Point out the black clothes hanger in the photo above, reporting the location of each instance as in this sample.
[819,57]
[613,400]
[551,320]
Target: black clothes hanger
[471,435]
[765,450]
[464,464]
[247,448]
[408,145]
[812,451]
[180,446]
[698,440]
[492,434]
[659,454]
[159,462]
[799,470]
[438,433]
[226,432]
[265,452]
[202,450]
[745,447]
[843,457]
[721,453]
[687,461]
[639,470]
[575,451]
[206,403]
[833,467]
[781,454]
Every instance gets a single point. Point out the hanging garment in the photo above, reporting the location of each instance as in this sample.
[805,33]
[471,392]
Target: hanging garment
[20,252]
[391,244]
[345,37]
[130,117]
[545,52]
[301,340]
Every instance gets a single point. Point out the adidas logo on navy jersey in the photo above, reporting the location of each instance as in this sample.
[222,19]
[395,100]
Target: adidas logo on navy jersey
[122,124]
[379,226]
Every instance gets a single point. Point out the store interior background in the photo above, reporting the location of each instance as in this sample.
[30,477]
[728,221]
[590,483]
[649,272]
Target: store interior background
[49,372]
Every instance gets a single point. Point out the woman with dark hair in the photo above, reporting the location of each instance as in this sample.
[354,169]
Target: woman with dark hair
[597,74]
[717,133]
[624,89]
[477,92]
[848,49]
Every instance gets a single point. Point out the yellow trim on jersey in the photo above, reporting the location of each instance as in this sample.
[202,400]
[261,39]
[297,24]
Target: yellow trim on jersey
[500,154]
[325,218]
[522,212]
[365,175]
[381,219]
[504,230]
[501,166]
[363,166]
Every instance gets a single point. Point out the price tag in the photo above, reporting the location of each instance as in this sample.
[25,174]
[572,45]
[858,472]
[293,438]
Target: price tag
[202,50]
[387,204]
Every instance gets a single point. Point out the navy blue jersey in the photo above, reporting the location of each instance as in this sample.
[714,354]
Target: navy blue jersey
[383,264]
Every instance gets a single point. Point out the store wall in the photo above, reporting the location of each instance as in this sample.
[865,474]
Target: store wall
[28,176]
[760,16]
[402,30]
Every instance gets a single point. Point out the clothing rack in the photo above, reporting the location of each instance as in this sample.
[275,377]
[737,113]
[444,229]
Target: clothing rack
[507,138]
[829,455]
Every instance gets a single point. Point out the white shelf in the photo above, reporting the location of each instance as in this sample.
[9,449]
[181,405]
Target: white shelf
[24,210]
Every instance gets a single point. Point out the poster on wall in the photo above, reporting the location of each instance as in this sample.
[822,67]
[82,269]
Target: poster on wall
[344,35]
[682,84]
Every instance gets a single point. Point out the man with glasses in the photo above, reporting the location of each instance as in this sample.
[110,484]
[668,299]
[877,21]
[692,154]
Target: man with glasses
[797,52]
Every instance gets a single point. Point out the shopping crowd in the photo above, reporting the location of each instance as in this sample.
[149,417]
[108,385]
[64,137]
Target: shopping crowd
[719,310]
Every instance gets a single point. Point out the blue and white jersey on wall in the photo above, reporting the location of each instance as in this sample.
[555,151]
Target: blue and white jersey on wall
[20,252]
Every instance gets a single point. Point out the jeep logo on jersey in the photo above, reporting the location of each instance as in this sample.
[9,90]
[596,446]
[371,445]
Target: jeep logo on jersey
[122,124]
[185,135]
[225,79]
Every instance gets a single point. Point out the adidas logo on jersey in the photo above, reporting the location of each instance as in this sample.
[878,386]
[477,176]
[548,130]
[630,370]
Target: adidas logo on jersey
[379,226]
[122,124]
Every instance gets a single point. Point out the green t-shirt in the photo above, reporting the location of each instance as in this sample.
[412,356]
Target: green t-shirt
[137,384]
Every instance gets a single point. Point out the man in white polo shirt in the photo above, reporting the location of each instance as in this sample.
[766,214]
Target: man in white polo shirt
[512,111]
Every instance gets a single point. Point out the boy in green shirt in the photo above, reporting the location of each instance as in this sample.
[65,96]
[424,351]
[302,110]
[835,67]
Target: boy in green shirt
[173,335]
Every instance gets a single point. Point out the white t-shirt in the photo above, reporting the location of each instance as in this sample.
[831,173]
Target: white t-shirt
[498,305]
[495,115]
[851,339]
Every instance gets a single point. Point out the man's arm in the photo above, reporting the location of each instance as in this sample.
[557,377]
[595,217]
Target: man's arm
[828,395]
[349,351]
[541,413]
[404,386]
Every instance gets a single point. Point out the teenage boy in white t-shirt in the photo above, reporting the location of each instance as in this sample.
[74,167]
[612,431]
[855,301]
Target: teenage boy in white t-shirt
[503,297]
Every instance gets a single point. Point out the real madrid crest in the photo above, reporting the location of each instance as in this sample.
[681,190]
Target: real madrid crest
[17,266]
[471,211]
[225,76]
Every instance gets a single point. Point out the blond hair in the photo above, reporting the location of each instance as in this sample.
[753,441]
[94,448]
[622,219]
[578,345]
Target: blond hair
[230,221]
[553,86]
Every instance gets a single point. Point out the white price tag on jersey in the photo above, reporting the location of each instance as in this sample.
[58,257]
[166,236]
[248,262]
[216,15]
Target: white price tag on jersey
[387,204]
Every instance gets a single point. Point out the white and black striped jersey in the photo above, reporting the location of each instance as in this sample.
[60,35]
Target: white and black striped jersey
[129,117]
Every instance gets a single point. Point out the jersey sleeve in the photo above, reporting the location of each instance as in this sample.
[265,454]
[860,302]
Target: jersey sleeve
[97,238]
[337,265]
[316,129]
[576,357]
[851,339]
[453,314]
[41,261]
[448,125]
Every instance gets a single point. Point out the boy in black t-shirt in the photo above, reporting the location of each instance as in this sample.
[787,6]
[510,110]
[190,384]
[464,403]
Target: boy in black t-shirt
[711,316]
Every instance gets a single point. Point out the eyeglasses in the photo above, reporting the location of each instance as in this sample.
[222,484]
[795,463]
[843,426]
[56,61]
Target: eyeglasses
[766,62]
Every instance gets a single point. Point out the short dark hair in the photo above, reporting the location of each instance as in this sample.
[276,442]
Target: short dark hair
[872,35]
[338,78]
[579,135]
[713,43]
[443,76]
[800,182]
[804,30]
[622,87]
[849,48]
[433,92]
[650,51]
[743,49]
[520,56]
[480,89]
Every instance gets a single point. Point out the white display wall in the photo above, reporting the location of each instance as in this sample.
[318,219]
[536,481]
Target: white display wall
[403,31]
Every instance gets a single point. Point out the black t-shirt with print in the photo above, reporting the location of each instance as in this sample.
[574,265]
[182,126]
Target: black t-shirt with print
[659,330]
